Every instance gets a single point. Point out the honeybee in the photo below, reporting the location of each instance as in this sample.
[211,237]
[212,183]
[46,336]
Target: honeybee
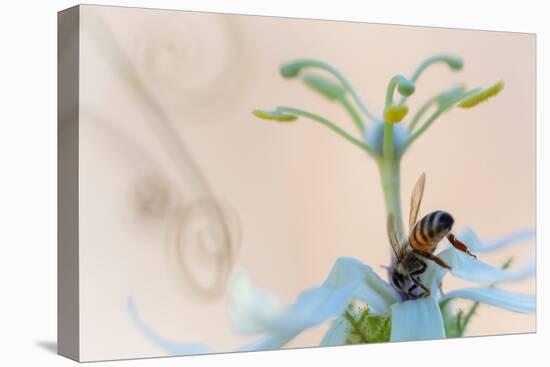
[424,236]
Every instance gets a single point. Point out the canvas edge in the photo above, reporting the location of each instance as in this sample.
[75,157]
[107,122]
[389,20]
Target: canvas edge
[68,47]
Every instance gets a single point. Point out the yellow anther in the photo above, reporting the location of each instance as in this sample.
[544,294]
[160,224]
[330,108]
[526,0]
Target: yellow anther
[395,114]
[274,116]
[482,95]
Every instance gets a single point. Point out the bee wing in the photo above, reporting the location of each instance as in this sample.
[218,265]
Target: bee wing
[393,237]
[416,199]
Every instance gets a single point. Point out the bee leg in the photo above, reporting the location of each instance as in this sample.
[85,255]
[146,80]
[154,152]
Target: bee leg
[415,279]
[417,282]
[432,257]
[459,245]
[411,289]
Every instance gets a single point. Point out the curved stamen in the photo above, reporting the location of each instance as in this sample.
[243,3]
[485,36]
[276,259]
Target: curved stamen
[482,95]
[289,114]
[403,85]
[293,68]
[440,99]
[334,92]
[455,63]
[464,100]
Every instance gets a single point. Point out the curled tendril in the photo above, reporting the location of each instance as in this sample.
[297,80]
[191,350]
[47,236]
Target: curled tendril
[206,237]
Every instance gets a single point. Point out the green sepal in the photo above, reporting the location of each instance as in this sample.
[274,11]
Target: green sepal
[378,328]
[452,321]
[366,327]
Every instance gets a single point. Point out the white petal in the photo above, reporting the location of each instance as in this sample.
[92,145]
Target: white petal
[337,333]
[252,311]
[169,346]
[418,319]
[517,302]
[466,267]
[470,238]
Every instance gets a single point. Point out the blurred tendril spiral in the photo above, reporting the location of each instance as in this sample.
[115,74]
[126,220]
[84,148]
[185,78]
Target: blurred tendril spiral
[206,236]
[177,61]
[203,234]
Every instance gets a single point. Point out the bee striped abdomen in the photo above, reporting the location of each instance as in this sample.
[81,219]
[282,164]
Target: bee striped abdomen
[431,229]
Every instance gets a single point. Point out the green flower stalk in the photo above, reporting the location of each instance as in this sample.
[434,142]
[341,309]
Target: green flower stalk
[385,139]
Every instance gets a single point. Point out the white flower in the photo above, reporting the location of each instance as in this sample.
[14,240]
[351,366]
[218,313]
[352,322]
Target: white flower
[255,312]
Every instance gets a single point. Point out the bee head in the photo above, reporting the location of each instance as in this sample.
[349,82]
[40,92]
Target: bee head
[398,279]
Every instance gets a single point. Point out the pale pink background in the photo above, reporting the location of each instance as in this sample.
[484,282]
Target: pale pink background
[303,196]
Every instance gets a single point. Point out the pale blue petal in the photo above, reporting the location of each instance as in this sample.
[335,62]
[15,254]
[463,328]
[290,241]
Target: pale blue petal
[418,319]
[255,311]
[348,280]
[337,333]
[528,270]
[470,238]
[274,341]
[376,292]
[252,311]
[269,342]
[169,346]
[466,267]
[517,302]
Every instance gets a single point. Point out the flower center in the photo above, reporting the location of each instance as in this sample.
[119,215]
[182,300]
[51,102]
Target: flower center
[374,137]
